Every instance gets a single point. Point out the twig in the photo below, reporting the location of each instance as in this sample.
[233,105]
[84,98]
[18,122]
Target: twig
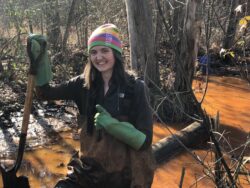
[182,176]
[5,45]
[217,18]
[218,174]
[220,155]
[183,145]
[240,162]
[165,97]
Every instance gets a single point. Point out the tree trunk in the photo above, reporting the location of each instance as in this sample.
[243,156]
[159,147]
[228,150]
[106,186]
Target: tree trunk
[191,136]
[25,7]
[1,66]
[53,25]
[188,49]
[186,55]
[231,27]
[158,31]
[86,24]
[69,22]
[177,20]
[248,7]
[142,54]
[42,25]
[81,23]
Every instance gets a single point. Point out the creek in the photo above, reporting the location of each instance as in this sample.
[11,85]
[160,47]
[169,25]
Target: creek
[228,95]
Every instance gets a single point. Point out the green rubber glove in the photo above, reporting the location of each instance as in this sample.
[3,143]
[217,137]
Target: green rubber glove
[123,131]
[102,111]
[40,62]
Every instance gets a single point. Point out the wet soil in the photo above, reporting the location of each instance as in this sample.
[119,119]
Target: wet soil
[55,142]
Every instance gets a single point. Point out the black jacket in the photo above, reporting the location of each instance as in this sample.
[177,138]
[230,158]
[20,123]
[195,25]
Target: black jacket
[126,103]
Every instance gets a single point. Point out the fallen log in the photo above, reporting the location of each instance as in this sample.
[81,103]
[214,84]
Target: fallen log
[191,136]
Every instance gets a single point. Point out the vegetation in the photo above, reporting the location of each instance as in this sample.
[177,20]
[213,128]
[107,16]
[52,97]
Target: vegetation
[173,36]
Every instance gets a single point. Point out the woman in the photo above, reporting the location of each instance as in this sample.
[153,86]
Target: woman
[114,117]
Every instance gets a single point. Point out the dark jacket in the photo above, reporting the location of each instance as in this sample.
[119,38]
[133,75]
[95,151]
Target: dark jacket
[126,103]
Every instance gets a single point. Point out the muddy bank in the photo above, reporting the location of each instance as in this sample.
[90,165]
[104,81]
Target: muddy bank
[230,96]
[47,120]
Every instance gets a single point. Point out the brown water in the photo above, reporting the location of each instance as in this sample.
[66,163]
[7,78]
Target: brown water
[229,96]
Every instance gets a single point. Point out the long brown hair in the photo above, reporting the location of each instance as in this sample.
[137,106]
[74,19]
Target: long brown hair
[94,82]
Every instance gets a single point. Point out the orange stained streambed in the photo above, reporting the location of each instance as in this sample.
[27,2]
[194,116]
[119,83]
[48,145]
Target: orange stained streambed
[230,96]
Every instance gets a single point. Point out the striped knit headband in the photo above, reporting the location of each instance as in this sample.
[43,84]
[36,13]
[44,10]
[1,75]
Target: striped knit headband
[105,35]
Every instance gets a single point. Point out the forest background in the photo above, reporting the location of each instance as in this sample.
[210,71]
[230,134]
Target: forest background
[163,41]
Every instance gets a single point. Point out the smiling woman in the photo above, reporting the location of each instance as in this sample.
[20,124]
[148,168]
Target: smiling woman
[103,60]
[114,117]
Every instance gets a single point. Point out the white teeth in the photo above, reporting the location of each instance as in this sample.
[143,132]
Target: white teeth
[102,63]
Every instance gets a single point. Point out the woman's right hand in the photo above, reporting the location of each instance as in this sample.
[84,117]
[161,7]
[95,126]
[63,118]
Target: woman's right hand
[39,60]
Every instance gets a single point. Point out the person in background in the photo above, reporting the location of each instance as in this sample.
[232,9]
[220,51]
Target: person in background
[114,115]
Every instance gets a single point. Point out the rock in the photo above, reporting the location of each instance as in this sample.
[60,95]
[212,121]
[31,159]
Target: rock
[40,113]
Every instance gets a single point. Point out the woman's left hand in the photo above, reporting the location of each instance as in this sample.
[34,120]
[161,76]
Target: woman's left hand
[103,118]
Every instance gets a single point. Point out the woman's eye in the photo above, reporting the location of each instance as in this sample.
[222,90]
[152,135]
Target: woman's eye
[105,50]
[93,52]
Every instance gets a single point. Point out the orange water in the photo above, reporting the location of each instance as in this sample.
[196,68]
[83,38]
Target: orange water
[229,96]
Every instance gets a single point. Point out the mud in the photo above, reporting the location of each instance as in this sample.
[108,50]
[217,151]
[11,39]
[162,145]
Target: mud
[53,143]
[44,127]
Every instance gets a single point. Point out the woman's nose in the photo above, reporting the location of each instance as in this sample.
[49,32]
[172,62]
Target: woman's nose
[98,56]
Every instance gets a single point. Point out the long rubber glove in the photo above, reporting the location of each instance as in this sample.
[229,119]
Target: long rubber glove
[122,131]
[38,50]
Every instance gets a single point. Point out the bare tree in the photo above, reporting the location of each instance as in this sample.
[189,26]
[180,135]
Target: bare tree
[180,103]
[231,27]
[53,24]
[142,54]
[69,22]
[248,7]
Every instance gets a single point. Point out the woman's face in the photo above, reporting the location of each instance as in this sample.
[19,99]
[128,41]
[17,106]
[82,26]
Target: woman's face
[102,58]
